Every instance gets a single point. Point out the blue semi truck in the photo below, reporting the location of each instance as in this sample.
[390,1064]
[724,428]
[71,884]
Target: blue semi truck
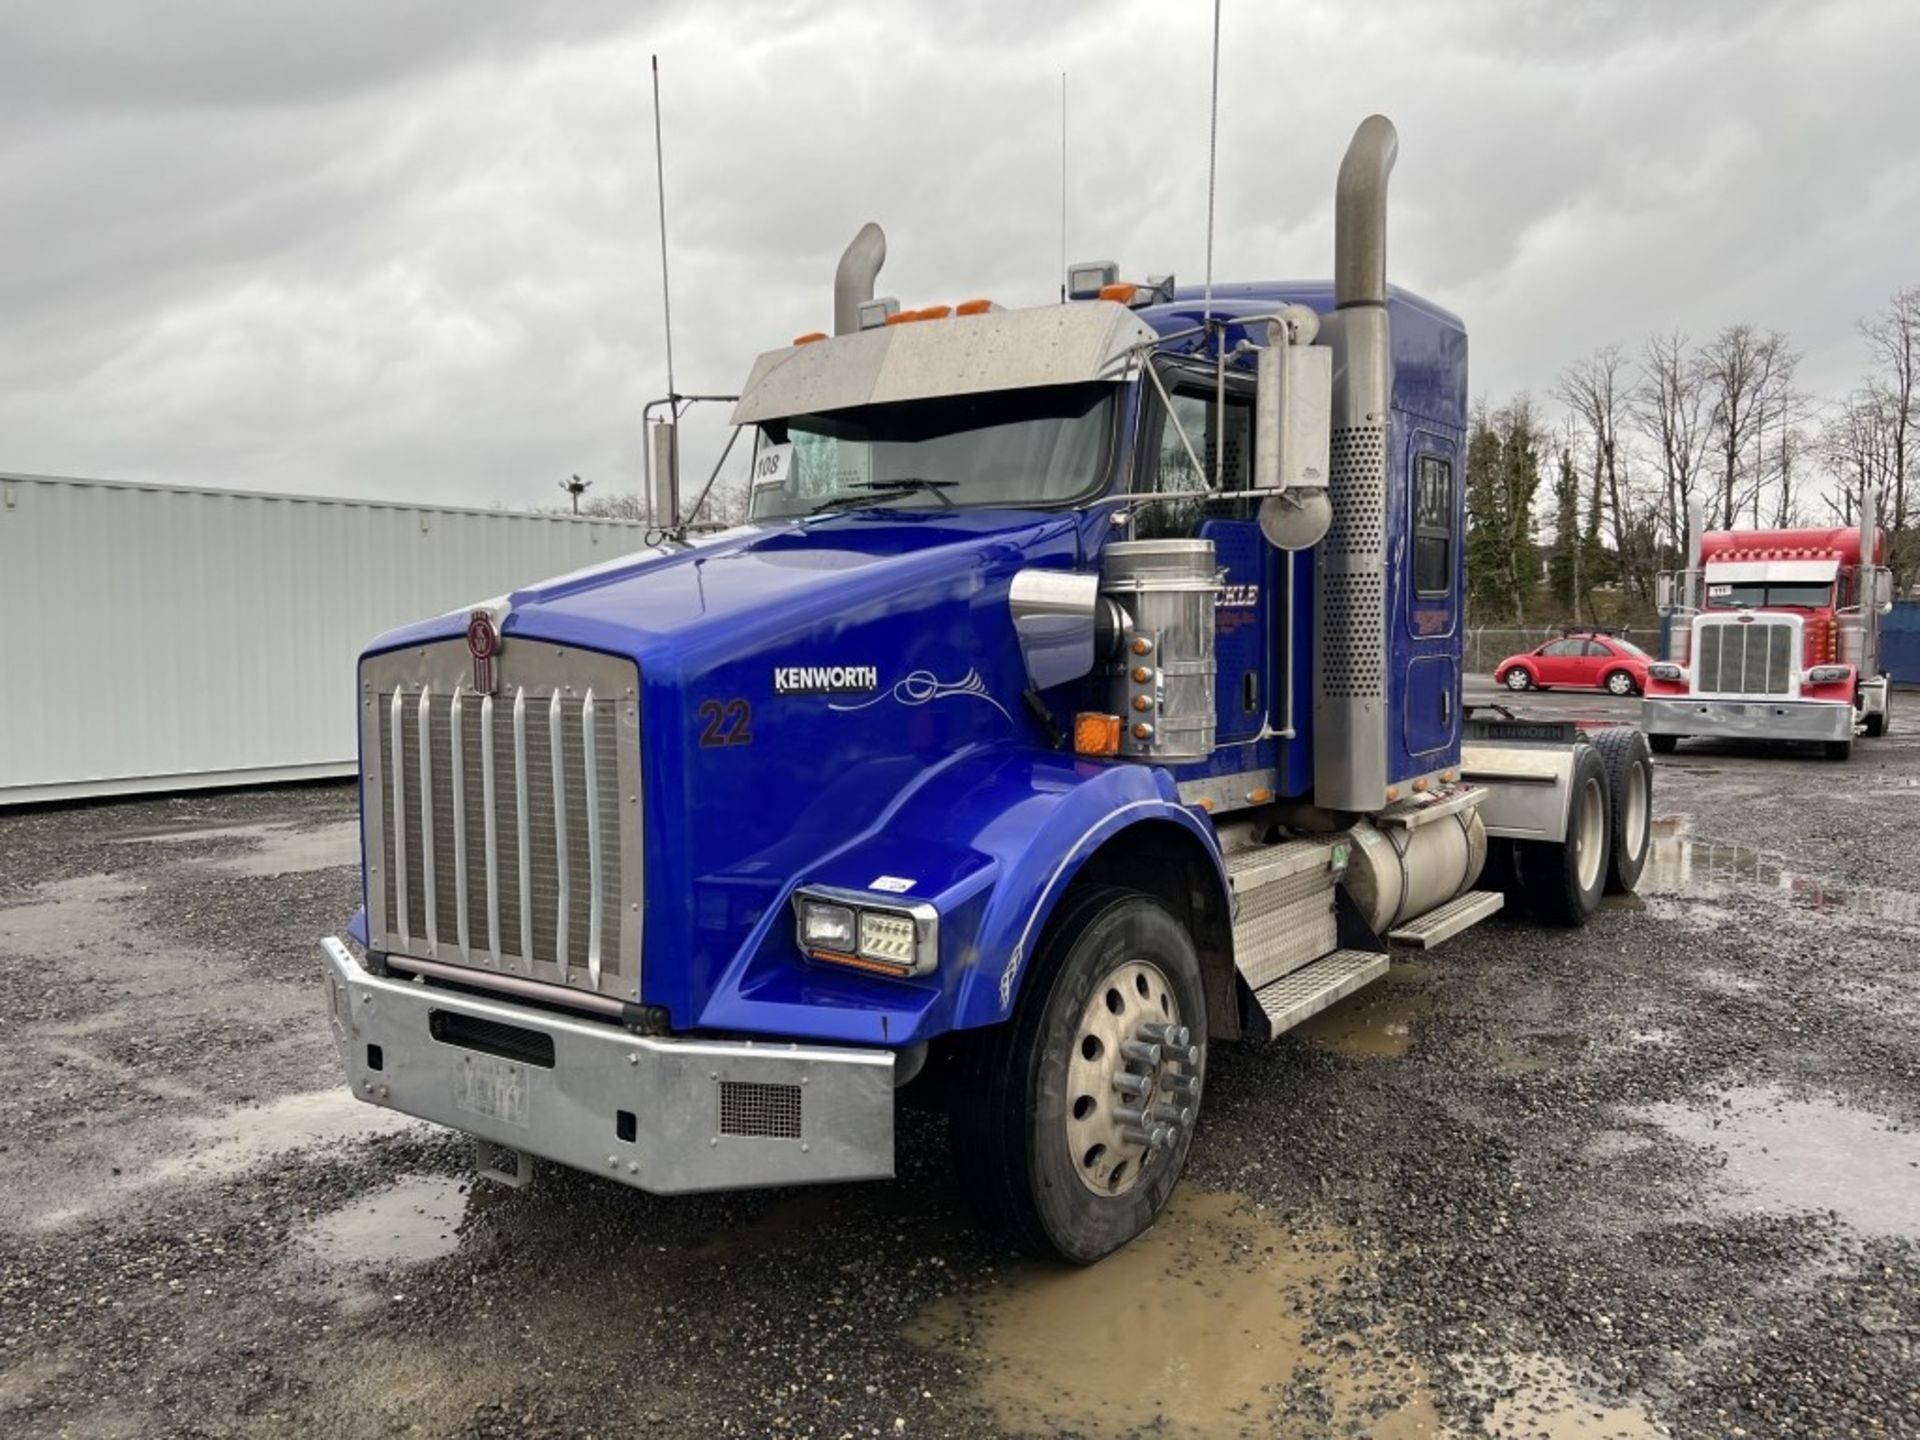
[1083,691]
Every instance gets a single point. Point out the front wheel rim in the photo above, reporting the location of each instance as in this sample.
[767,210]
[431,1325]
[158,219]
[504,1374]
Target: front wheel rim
[1517,680]
[1133,1079]
[1620,685]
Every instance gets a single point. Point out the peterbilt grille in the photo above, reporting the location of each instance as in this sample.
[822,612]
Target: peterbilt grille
[495,827]
[1751,658]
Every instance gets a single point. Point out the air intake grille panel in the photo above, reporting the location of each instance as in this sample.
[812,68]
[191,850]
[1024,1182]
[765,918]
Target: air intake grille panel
[1754,658]
[759,1111]
[503,831]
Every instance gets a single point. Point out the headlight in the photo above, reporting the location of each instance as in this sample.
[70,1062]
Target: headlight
[1828,674]
[1665,671]
[825,927]
[844,927]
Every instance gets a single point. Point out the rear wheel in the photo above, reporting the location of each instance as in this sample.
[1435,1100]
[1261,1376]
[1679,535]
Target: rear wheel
[1564,879]
[1519,679]
[1071,1122]
[1620,683]
[1663,744]
[1630,790]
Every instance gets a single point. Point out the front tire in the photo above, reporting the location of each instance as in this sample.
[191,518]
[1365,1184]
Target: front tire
[1518,679]
[1059,1159]
[1663,744]
[1838,749]
[1877,721]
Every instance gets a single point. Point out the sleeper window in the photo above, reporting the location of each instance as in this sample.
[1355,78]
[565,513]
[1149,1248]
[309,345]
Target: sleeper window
[1433,507]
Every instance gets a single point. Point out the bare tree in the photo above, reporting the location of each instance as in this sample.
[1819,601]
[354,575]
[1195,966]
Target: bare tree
[1893,340]
[1749,380]
[1669,405]
[1858,443]
[1601,395]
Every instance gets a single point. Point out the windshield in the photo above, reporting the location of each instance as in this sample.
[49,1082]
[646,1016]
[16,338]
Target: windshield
[1041,446]
[1632,649]
[1752,594]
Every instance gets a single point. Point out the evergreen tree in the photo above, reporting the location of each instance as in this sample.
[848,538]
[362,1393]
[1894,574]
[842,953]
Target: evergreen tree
[1503,474]
[1564,575]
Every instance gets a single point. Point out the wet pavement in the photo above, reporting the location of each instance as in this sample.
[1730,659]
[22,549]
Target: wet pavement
[1657,1178]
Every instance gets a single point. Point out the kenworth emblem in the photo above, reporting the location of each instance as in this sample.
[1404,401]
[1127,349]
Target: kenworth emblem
[483,643]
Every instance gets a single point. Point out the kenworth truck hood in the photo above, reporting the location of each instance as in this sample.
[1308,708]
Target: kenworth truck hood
[798,680]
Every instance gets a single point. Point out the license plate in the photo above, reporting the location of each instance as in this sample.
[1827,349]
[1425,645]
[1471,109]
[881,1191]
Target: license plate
[495,1089]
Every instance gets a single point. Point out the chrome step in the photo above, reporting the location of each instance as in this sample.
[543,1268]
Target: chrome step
[1307,991]
[1443,922]
[1283,914]
[1268,864]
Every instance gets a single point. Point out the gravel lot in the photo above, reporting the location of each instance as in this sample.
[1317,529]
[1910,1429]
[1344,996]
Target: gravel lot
[1660,1177]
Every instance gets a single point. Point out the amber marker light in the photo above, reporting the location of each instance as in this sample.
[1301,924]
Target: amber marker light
[811,337]
[975,307]
[1096,734]
[1123,292]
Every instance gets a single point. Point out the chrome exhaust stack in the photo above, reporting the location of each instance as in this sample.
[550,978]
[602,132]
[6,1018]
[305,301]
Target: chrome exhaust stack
[853,282]
[1350,590]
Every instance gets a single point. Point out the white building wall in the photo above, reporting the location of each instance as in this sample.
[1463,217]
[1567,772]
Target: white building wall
[162,638]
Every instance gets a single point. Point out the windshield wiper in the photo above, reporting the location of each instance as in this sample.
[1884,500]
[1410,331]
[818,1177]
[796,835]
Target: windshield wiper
[888,489]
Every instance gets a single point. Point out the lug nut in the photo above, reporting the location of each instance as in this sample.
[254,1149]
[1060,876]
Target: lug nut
[1180,1117]
[1140,1052]
[1183,1054]
[1158,1138]
[1175,1037]
[1188,1085]
[1129,1115]
[1128,1083]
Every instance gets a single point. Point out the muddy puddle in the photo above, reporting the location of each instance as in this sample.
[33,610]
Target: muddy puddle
[1684,867]
[409,1222]
[1779,1154]
[1203,1327]
[273,849]
[1378,1021]
[1209,1326]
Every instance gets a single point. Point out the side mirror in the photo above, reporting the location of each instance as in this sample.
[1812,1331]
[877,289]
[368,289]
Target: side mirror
[1293,431]
[663,492]
[1663,592]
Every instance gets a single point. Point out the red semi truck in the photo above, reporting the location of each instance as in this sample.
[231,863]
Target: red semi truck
[1774,635]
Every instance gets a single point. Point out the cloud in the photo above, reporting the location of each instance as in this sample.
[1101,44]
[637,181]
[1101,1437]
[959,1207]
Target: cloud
[410,249]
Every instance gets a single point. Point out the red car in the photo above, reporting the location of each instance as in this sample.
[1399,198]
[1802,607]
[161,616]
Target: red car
[1578,662]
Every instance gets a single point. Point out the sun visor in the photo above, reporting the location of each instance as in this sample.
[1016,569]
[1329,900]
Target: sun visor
[1772,572]
[966,355]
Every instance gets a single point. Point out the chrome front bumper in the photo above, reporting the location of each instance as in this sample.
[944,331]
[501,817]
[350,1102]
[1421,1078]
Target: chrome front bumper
[1748,719]
[663,1115]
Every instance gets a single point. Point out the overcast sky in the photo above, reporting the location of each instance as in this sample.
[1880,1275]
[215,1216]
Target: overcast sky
[388,247]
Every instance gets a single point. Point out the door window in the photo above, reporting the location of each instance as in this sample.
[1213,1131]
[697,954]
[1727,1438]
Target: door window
[1170,469]
[1562,649]
[1432,525]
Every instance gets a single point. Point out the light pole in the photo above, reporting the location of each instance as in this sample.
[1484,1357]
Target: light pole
[576,487]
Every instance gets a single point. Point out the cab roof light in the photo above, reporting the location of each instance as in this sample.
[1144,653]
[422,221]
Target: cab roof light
[936,312]
[875,313]
[1086,280]
[1123,291]
[810,338]
[975,307]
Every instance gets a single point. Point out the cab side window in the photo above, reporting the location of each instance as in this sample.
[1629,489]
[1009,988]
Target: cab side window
[1433,507]
[1564,648]
[1170,468]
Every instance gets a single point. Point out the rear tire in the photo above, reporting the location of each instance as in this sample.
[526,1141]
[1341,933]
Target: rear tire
[1564,879]
[1518,679]
[1621,683]
[1663,744]
[1629,764]
[1025,1093]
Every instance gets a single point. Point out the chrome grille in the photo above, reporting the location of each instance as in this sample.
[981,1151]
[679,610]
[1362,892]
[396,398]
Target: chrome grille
[1750,658]
[495,829]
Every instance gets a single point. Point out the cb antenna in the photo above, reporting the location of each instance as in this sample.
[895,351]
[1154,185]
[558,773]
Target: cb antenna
[1063,187]
[1213,148]
[660,180]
